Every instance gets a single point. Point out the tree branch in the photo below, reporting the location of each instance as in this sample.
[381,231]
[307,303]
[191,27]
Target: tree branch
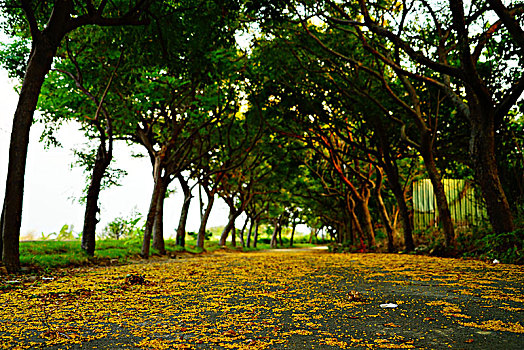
[510,23]
[30,15]
[131,17]
[406,47]
[510,98]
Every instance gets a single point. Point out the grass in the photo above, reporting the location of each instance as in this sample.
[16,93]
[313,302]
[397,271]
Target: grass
[50,254]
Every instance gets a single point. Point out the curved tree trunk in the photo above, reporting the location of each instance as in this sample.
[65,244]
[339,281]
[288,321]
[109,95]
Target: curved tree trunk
[158,226]
[42,53]
[425,147]
[202,230]
[390,230]
[241,234]
[181,230]
[366,217]
[157,172]
[102,161]
[368,224]
[229,226]
[393,179]
[439,192]
[292,233]
[482,149]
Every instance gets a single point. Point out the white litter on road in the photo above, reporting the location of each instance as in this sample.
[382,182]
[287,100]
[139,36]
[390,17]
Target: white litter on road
[388,306]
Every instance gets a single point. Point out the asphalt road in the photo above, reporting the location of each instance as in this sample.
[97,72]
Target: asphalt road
[288,299]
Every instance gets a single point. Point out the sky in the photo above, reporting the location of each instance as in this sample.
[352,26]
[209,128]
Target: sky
[52,186]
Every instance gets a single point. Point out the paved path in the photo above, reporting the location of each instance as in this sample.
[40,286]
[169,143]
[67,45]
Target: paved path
[303,299]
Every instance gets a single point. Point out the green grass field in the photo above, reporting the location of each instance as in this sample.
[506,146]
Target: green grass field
[49,254]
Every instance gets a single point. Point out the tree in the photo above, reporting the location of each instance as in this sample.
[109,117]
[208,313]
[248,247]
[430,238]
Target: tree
[188,95]
[327,117]
[173,129]
[355,73]
[163,93]
[77,88]
[453,62]
[46,25]
[240,186]
[181,229]
[320,84]
[232,145]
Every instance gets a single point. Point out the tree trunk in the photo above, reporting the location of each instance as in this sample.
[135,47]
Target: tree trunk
[241,234]
[339,233]
[356,232]
[426,136]
[482,149]
[280,233]
[1,225]
[181,230]
[279,229]
[347,230]
[356,229]
[255,238]
[234,236]
[349,227]
[312,233]
[158,226]
[157,172]
[366,217]
[405,216]
[390,230]
[274,235]
[248,240]
[42,53]
[44,45]
[438,190]
[90,220]
[200,203]
[394,184]
[229,226]
[292,233]
[202,230]
[393,179]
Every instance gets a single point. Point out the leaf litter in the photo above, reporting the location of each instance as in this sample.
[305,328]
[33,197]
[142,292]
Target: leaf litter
[270,300]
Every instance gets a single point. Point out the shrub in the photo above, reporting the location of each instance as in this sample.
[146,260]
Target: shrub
[506,247]
[123,227]
[194,235]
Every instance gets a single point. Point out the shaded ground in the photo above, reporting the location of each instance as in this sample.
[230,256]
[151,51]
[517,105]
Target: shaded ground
[302,299]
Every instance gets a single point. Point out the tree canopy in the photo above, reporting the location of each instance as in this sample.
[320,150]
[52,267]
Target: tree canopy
[317,112]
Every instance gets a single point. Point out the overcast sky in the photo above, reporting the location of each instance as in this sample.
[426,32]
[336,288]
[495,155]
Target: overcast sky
[52,187]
